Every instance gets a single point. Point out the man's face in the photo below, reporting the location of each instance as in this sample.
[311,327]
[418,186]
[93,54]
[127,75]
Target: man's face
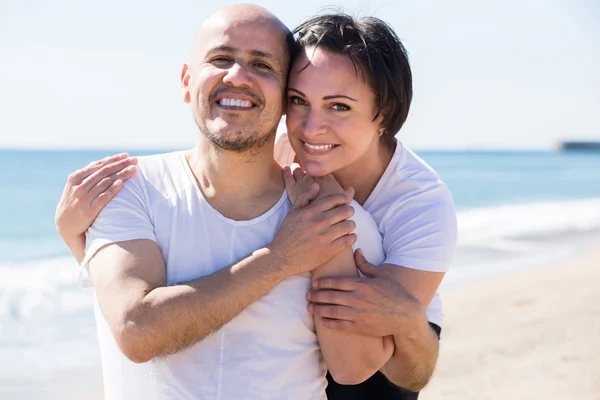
[235,82]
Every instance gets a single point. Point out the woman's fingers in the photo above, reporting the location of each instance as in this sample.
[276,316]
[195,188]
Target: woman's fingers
[104,197]
[298,172]
[126,166]
[288,179]
[107,182]
[77,177]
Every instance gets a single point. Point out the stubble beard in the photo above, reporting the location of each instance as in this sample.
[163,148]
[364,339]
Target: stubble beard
[244,142]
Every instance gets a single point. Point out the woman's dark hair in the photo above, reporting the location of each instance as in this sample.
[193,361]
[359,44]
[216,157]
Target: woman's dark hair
[376,51]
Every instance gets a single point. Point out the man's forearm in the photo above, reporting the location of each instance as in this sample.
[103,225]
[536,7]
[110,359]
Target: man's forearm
[414,359]
[171,318]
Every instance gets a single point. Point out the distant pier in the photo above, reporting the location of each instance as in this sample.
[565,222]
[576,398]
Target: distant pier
[579,146]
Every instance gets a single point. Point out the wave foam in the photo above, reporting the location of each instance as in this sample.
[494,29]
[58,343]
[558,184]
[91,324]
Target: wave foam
[518,227]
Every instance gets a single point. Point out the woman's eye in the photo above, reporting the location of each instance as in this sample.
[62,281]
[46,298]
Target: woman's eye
[297,101]
[340,107]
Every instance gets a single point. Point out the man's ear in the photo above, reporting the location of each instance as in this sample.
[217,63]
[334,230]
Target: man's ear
[185,81]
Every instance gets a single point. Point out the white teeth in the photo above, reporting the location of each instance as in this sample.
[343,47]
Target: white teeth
[319,147]
[235,103]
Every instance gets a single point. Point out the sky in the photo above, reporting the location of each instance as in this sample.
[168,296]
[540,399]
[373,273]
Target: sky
[516,74]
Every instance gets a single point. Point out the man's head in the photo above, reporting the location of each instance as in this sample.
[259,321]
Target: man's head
[236,77]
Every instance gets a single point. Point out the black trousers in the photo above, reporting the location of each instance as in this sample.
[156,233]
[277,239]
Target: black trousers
[377,387]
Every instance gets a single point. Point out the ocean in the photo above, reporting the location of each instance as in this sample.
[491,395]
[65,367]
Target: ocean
[515,210]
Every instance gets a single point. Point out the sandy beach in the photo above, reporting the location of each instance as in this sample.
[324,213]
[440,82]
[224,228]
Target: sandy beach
[528,335]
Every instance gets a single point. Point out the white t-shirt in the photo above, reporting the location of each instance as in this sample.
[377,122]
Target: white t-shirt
[414,212]
[269,351]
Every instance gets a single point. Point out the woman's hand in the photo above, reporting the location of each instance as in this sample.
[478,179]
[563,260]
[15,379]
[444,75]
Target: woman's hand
[297,182]
[86,192]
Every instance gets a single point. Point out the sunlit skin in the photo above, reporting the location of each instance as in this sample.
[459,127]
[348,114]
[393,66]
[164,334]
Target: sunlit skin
[330,104]
[235,79]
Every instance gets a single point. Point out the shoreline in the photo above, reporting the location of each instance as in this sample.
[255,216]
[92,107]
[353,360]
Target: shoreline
[529,334]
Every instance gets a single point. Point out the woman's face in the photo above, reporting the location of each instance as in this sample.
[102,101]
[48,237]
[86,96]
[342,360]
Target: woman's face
[330,112]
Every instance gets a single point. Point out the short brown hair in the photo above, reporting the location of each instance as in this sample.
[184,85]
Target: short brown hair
[376,51]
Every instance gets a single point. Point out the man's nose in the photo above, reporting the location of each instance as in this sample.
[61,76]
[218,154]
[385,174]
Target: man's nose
[237,75]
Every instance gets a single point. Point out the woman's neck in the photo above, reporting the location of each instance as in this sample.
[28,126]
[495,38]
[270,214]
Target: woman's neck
[364,174]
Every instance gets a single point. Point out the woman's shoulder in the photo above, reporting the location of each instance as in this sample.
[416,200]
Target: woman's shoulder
[407,178]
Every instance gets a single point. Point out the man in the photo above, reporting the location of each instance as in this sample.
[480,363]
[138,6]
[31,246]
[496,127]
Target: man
[200,253]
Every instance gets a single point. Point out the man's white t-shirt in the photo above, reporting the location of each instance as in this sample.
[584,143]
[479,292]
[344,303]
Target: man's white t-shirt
[269,351]
[414,212]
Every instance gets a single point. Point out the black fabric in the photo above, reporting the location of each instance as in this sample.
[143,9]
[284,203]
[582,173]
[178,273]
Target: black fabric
[377,387]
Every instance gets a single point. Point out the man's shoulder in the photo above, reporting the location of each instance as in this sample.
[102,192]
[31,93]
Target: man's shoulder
[163,171]
[155,163]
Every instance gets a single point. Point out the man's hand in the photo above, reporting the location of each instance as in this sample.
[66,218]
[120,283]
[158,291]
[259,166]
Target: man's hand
[88,190]
[310,236]
[375,306]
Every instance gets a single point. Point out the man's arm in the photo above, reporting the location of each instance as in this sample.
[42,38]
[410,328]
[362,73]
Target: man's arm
[416,345]
[149,319]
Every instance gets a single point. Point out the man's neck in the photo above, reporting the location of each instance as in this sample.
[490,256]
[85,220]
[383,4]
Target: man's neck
[241,186]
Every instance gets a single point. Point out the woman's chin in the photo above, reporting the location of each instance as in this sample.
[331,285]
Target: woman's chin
[317,169]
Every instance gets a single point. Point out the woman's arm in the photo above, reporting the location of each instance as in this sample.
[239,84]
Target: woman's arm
[86,193]
[382,306]
[350,357]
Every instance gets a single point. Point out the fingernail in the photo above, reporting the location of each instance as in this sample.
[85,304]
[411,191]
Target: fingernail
[123,155]
[310,308]
[315,283]
[308,296]
[118,183]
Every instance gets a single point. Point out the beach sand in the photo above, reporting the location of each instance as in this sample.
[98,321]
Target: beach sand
[530,335]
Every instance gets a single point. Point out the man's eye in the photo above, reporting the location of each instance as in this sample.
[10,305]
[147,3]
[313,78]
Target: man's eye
[220,60]
[340,107]
[262,66]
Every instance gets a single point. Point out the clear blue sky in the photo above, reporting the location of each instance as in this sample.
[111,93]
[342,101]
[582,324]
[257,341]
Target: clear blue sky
[487,74]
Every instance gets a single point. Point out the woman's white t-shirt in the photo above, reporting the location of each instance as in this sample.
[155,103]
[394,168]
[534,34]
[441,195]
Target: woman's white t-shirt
[414,212]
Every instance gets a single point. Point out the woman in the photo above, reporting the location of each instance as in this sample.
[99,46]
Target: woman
[349,93]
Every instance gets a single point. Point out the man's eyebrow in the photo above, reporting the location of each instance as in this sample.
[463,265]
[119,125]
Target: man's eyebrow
[255,53]
[335,96]
[226,49]
[262,54]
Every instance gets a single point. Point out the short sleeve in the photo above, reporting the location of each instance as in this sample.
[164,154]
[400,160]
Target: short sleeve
[421,233]
[125,217]
[283,152]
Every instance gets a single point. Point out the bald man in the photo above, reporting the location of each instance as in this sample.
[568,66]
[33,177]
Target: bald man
[201,266]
